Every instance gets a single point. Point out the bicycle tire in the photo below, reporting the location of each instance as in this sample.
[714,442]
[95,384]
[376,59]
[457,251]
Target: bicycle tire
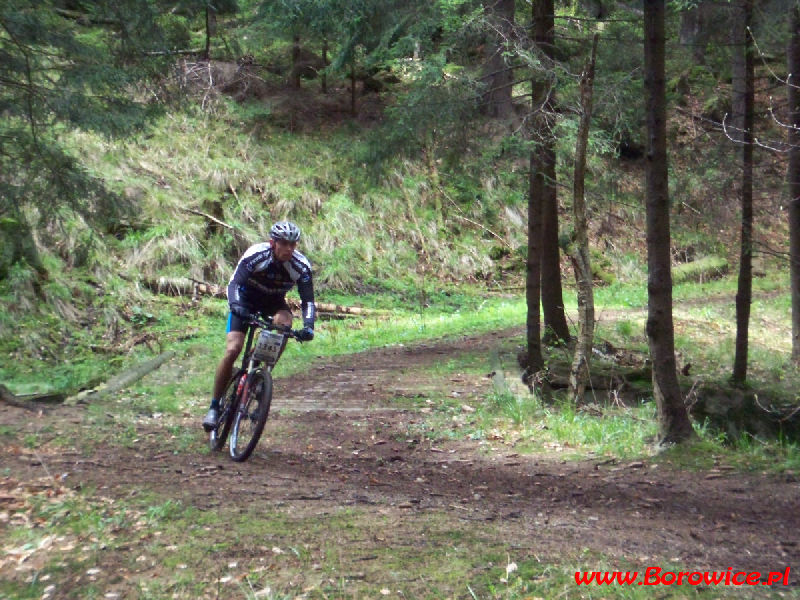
[227,404]
[251,415]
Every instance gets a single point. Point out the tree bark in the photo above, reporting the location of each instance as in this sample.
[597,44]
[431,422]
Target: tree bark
[353,87]
[579,373]
[673,417]
[121,381]
[207,51]
[743,103]
[555,320]
[324,79]
[793,175]
[535,360]
[696,25]
[295,71]
[498,74]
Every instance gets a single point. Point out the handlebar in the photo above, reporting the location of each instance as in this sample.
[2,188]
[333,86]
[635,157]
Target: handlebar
[266,323]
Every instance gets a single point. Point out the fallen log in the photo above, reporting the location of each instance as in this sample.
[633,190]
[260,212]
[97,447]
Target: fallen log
[25,402]
[741,412]
[180,286]
[702,269]
[339,309]
[121,381]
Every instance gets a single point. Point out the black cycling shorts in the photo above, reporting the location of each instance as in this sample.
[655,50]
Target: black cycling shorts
[267,308]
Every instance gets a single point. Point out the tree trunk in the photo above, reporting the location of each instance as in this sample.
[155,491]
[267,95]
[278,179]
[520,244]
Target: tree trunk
[743,104]
[121,381]
[435,184]
[696,25]
[556,329]
[673,418]
[555,320]
[499,75]
[324,66]
[793,176]
[579,373]
[353,88]
[295,72]
[535,360]
[17,245]
[211,27]
[207,51]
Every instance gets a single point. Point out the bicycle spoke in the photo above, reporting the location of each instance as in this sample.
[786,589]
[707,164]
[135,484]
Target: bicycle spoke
[251,416]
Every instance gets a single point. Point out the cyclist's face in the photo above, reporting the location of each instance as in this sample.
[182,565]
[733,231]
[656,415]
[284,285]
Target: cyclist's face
[283,249]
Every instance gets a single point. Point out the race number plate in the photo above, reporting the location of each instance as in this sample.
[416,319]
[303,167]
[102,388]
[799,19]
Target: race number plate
[268,346]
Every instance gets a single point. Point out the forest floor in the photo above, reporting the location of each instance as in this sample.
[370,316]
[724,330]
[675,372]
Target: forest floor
[348,497]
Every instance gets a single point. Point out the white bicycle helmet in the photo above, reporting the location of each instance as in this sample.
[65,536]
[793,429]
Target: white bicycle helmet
[285,230]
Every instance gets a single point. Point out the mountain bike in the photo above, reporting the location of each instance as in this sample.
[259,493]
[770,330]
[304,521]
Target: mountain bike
[244,407]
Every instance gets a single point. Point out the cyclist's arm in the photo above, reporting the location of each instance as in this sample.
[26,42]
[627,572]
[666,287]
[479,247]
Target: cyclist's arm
[255,258]
[236,285]
[305,287]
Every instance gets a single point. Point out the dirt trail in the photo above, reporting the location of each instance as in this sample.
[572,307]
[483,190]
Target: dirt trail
[339,437]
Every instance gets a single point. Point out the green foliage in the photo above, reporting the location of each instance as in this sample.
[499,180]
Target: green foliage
[618,109]
[429,118]
[602,267]
[58,69]
[624,329]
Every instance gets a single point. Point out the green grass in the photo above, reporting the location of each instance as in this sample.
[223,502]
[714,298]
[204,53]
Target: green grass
[266,552]
[745,453]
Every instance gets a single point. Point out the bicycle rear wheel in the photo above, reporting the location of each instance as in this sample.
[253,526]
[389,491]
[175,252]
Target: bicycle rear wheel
[251,415]
[227,404]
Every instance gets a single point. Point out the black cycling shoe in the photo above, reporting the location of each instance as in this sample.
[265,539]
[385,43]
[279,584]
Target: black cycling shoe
[210,420]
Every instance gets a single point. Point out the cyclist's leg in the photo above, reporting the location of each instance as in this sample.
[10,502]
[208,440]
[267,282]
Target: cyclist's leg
[280,311]
[234,341]
[282,317]
[281,314]
[233,346]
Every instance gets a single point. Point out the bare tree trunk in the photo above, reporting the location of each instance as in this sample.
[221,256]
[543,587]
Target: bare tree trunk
[499,75]
[17,244]
[535,360]
[673,418]
[435,181]
[696,25]
[580,372]
[295,72]
[555,320]
[207,52]
[793,176]
[324,66]
[353,87]
[743,103]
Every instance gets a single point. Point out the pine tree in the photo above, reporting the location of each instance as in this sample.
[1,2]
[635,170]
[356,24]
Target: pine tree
[64,68]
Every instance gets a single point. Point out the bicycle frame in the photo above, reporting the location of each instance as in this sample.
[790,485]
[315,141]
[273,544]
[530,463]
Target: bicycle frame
[250,362]
[259,356]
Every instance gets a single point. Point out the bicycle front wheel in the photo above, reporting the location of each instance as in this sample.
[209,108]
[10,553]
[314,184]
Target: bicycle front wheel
[227,404]
[251,415]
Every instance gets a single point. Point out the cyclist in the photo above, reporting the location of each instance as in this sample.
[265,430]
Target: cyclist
[264,274]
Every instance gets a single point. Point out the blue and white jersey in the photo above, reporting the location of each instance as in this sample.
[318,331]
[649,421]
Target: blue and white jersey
[259,276]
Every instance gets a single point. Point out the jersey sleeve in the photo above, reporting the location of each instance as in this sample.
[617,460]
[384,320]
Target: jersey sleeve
[235,284]
[305,287]
[239,278]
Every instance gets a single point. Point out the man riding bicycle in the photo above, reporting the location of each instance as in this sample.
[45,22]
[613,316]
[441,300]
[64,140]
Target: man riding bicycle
[259,284]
